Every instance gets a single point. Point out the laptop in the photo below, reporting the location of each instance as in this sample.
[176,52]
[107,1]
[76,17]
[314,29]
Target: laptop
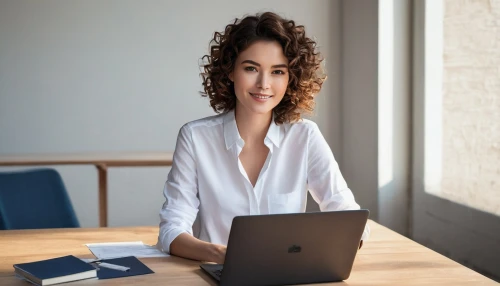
[298,248]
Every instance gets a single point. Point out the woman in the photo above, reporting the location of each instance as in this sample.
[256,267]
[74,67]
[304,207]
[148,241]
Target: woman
[258,156]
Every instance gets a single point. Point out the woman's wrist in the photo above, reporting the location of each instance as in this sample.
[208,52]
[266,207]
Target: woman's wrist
[216,253]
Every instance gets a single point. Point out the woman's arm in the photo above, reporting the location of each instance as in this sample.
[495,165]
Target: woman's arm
[187,246]
[181,201]
[325,182]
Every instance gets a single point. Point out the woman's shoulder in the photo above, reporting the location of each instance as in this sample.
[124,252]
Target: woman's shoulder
[302,125]
[205,122]
[304,131]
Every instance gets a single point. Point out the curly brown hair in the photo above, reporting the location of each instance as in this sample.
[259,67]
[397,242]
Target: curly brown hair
[304,64]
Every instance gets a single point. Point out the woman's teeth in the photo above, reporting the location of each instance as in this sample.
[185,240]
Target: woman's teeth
[261,96]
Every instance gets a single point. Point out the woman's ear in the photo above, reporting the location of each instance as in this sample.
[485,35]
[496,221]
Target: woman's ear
[230,76]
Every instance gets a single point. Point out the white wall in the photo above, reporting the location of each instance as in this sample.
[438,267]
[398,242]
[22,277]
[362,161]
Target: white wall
[465,234]
[85,76]
[359,91]
[394,114]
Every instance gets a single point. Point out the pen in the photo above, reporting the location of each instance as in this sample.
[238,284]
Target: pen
[113,266]
[106,264]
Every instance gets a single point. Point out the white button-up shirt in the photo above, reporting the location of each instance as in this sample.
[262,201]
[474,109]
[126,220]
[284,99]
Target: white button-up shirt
[207,176]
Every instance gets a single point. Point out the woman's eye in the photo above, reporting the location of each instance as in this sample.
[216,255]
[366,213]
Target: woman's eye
[278,72]
[250,69]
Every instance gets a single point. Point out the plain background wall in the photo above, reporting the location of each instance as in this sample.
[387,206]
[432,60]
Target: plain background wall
[99,76]
[359,86]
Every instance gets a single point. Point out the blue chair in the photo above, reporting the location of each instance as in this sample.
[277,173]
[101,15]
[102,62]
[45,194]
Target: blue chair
[35,199]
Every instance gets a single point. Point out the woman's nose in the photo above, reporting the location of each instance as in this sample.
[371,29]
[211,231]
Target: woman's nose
[263,81]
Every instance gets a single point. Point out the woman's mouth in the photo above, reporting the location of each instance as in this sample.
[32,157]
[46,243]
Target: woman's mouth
[260,95]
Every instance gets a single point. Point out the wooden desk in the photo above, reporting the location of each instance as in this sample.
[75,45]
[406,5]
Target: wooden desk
[387,258]
[101,160]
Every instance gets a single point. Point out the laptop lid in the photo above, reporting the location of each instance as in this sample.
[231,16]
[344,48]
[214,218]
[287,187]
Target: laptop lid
[294,248]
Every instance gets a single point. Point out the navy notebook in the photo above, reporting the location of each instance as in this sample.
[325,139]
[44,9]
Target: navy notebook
[56,270]
[136,268]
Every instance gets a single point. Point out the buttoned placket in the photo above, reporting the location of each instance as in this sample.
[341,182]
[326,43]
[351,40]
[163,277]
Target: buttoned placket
[259,185]
[254,193]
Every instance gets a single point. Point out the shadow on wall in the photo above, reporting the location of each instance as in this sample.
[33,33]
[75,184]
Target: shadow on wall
[466,235]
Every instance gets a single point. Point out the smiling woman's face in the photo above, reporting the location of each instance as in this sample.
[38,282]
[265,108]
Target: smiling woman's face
[260,77]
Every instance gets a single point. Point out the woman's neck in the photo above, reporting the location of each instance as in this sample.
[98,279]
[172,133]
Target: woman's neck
[251,126]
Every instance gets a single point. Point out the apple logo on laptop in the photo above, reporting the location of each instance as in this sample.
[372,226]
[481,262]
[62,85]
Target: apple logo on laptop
[294,249]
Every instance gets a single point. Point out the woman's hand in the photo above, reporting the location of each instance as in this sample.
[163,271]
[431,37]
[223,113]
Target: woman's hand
[187,246]
[218,253]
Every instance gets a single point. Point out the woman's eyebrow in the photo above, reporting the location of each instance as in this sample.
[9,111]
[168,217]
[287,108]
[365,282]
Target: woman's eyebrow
[280,66]
[257,64]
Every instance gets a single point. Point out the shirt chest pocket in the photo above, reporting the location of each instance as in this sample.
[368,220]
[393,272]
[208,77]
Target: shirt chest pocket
[293,202]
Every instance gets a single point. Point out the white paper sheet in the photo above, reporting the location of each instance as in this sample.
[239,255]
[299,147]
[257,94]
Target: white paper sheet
[138,249]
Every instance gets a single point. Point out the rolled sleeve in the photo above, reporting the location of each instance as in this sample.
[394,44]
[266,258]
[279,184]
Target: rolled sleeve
[181,193]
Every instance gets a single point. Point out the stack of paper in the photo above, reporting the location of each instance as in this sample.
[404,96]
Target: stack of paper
[138,249]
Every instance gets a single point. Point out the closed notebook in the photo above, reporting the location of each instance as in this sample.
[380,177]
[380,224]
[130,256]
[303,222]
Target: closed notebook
[56,270]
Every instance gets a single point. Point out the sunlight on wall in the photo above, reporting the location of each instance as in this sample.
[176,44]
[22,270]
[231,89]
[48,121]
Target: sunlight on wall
[469,115]
[385,92]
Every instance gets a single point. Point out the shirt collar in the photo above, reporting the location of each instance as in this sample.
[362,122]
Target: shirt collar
[273,133]
[231,134]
